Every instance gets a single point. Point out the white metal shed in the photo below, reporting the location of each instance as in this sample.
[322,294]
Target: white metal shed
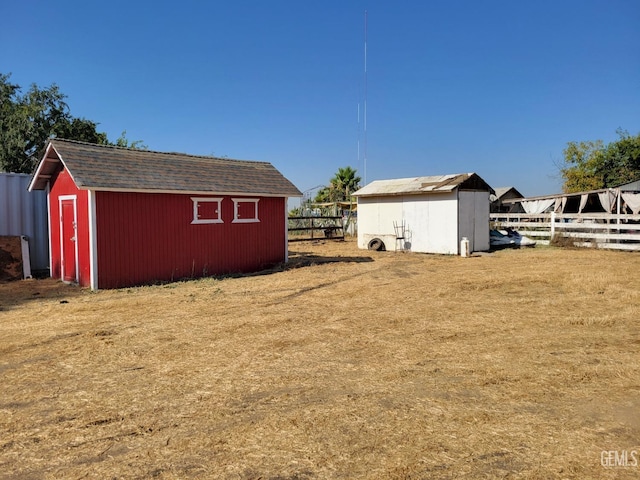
[430,214]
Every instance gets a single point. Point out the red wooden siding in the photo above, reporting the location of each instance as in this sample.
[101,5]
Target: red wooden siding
[145,238]
[62,184]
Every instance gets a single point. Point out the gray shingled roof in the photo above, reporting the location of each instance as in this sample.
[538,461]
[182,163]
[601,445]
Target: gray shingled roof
[100,167]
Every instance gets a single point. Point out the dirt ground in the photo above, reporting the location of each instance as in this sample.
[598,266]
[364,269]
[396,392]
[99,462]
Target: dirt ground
[10,258]
[346,364]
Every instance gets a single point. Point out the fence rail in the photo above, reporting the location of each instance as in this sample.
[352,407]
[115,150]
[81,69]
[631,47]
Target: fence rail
[314,228]
[601,230]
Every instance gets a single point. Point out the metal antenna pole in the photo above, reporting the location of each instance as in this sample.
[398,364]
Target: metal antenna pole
[365,97]
[358,159]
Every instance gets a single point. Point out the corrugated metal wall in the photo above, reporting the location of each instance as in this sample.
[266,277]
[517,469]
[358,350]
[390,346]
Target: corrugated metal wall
[25,213]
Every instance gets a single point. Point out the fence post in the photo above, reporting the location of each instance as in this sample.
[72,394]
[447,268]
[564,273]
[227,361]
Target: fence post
[553,225]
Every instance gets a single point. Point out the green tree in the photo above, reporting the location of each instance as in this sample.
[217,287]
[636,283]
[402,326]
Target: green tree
[28,120]
[123,141]
[340,187]
[80,129]
[593,165]
[623,159]
[25,123]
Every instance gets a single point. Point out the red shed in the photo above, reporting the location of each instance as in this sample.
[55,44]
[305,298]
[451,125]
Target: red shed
[120,217]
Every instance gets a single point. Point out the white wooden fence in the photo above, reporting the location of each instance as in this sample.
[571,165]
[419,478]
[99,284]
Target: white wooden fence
[601,230]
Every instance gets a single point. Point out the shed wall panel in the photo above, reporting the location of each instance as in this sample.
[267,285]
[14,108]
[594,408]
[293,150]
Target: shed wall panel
[375,219]
[146,238]
[467,215]
[25,213]
[474,219]
[432,222]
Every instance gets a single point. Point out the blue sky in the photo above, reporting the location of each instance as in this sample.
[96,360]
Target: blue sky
[493,87]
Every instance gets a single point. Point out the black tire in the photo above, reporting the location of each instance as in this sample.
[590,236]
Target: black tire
[377,245]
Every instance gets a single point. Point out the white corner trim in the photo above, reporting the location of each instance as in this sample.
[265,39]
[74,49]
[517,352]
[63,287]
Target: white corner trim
[93,244]
[48,195]
[286,230]
[62,198]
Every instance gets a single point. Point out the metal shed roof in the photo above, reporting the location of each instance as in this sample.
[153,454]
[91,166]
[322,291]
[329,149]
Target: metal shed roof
[422,185]
[102,167]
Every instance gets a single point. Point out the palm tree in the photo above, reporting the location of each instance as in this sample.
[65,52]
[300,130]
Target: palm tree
[340,187]
[346,182]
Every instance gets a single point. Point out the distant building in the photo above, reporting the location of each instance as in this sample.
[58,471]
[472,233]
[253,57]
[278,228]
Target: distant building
[623,199]
[505,193]
[630,187]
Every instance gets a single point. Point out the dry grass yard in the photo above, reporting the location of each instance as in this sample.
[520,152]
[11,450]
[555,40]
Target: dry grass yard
[347,364]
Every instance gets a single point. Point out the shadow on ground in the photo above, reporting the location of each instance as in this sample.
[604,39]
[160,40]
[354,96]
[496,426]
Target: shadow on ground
[299,260]
[306,259]
[17,292]
[13,293]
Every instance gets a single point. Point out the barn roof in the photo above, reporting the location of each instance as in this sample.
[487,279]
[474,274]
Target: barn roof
[630,187]
[502,191]
[104,167]
[422,185]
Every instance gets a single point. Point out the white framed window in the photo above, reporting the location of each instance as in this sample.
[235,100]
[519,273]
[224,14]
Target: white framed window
[206,210]
[245,210]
